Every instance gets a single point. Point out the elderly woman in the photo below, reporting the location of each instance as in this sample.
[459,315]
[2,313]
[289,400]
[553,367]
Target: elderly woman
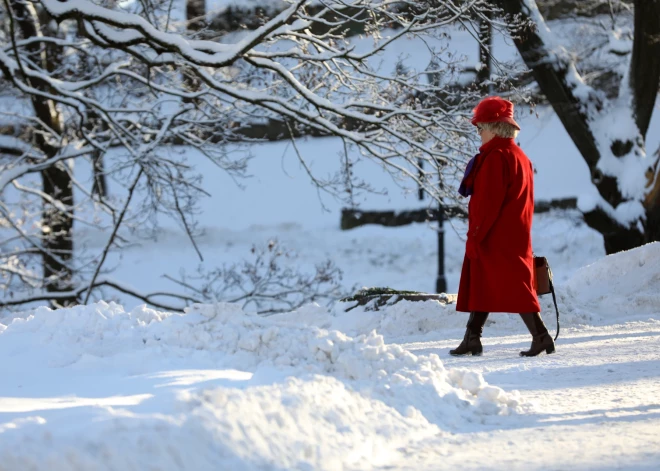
[498,272]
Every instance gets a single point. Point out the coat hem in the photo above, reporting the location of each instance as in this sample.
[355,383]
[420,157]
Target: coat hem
[515,311]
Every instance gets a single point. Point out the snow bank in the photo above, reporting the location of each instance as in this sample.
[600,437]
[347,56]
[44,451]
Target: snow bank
[307,397]
[622,286]
[235,339]
[314,423]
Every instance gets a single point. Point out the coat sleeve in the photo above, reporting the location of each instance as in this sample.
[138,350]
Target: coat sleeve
[490,191]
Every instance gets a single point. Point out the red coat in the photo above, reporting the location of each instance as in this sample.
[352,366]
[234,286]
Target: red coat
[498,266]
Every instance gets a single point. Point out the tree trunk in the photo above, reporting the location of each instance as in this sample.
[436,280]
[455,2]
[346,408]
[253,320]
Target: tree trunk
[195,22]
[100,186]
[485,52]
[196,14]
[57,219]
[645,63]
[99,180]
[58,231]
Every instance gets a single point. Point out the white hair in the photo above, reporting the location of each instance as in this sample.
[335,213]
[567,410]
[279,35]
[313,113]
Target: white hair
[500,129]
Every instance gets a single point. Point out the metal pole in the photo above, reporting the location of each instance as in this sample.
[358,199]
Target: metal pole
[441,281]
[420,192]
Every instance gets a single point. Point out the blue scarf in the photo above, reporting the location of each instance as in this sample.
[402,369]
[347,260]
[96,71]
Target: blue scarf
[467,184]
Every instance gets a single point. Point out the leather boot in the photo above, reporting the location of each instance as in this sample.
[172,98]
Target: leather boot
[471,344]
[541,339]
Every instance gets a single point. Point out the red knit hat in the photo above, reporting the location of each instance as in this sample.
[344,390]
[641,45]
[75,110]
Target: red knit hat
[494,109]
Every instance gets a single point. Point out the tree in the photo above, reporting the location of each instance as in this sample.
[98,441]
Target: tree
[56,245]
[115,81]
[609,131]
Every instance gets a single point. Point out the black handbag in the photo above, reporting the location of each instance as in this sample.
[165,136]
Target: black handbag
[543,283]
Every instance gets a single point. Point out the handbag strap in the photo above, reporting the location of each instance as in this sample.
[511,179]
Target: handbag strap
[554,300]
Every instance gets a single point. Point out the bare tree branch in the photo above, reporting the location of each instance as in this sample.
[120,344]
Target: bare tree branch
[151,98]
[111,239]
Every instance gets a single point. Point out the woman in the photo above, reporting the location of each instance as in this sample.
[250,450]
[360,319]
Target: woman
[498,273]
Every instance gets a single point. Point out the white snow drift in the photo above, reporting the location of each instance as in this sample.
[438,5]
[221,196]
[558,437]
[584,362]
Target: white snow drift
[293,395]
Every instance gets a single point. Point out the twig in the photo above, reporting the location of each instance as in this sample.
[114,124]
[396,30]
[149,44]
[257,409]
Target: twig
[111,239]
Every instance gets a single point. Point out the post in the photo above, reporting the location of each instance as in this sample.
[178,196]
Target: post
[420,192]
[441,280]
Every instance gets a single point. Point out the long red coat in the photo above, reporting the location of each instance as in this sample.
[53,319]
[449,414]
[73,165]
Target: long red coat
[498,266]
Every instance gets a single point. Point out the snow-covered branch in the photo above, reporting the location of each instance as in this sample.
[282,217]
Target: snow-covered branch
[129,91]
[286,92]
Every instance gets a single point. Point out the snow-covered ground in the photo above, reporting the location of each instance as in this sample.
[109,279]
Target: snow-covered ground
[96,387]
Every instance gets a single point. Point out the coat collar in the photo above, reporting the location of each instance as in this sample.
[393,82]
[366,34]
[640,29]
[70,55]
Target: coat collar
[494,143]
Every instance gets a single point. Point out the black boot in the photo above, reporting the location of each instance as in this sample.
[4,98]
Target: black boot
[471,344]
[541,339]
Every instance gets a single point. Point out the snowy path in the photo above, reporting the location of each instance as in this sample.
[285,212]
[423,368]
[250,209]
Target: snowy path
[597,403]
[595,407]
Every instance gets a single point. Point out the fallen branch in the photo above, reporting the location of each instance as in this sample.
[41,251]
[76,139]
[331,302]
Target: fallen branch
[375,298]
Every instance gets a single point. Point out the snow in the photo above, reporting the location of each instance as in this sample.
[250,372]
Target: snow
[633,275]
[317,391]
[104,388]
